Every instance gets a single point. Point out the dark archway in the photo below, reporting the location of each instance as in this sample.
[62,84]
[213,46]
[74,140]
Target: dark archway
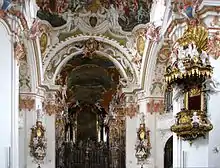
[168,153]
[89,87]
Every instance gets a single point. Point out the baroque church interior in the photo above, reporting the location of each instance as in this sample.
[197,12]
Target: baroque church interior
[110,83]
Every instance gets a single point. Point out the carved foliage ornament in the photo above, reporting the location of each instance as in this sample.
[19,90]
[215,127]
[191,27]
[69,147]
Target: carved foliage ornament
[19,50]
[91,45]
[157,86]
[27,103]
[52,108]
[132,110]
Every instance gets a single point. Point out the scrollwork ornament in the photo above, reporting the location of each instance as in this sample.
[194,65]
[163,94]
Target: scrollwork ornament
[19,51]
[132,110]
[143,145]
[51,108]
[26,103]
[38,143]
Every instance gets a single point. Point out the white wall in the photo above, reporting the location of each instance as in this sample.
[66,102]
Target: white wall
[214,112]
[9,101]
[131,130]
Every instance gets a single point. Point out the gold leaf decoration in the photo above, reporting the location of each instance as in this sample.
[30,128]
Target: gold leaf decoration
[196,34]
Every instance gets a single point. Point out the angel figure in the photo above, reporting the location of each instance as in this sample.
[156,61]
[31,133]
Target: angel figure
[137,60]
[181,52]
[203,57]
[194,52]
[195,120]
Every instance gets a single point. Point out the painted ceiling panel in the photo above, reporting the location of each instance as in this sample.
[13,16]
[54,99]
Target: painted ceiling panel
[130,12]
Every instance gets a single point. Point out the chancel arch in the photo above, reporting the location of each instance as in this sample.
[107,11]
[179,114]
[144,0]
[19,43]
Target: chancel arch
[118,54]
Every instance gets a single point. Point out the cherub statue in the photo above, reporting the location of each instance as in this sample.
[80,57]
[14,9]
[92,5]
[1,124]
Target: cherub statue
[195,119]
[181,52]
[194,50]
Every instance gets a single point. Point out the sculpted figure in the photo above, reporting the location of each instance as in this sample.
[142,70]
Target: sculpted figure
[194,49]
[113,16]
[195,119]
[181,52]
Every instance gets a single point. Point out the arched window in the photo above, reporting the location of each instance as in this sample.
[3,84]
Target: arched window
[168,153]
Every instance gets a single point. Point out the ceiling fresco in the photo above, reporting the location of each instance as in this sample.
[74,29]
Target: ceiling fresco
[89,80]
[129,13]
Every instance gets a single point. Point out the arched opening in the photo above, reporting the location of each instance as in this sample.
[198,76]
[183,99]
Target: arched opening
[168,153]
[90,92]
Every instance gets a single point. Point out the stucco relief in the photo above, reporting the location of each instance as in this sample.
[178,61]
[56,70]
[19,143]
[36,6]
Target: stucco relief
[21,119]
[26,103]
[214,45]
[164,123]
[19,50]
[215,21]
[132,110]
[24,77]
[75,46]
[157,87]
[149,32]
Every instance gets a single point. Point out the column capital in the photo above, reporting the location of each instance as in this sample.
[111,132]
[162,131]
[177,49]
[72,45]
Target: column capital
[155,104]
[26,103]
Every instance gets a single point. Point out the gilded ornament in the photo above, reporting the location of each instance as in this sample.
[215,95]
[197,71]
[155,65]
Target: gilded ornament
[191,124]
[52,108]
[43,42]
[197,34]
[140,44]
[194,92]
[188,69]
